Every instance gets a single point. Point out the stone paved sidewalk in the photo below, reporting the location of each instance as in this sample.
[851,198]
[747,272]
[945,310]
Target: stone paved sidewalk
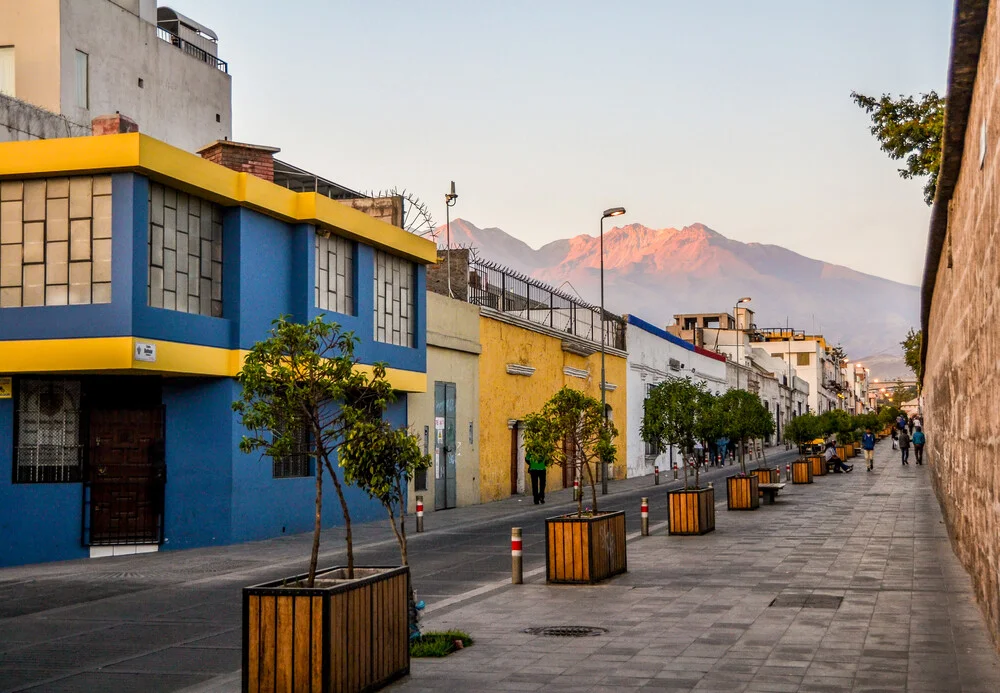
[848,584]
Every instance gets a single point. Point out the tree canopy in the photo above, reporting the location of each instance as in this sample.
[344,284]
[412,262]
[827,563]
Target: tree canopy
[675,413]
[909,128]
[911,350]
[802,429]
[746,418]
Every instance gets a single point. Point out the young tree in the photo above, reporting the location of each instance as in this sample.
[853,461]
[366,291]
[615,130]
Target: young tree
[671,415]
[911,350]
[802,429]
[571,431]
[747,419]
[909,128]
[301,395]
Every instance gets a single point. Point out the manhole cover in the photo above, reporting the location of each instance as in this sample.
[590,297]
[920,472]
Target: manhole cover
[566,631]
[807,601]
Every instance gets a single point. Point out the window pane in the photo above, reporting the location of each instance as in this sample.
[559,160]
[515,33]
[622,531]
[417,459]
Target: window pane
[82,80]
[395,316]
[7,71]
[334,274]
[802,359]
[48,431]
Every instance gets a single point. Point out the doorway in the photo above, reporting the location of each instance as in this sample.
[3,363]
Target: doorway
[445,448]
[125,478]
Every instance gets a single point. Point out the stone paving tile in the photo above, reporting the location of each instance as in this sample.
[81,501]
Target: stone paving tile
[752,606]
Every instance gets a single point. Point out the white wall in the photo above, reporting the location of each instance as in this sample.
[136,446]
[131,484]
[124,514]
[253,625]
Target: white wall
[180,96]
[648,364]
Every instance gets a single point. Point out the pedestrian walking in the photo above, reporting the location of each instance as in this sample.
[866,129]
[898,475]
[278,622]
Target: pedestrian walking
[918,444]
[895,438]
[909,425]
[901,422]
[868,444]
[904,446]
[536,469]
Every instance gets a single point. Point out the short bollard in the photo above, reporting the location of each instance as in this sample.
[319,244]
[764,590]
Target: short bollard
[576,489]
[516,578]
[788,472]
[656,475]
[644,513]
[420,513]
[675,471]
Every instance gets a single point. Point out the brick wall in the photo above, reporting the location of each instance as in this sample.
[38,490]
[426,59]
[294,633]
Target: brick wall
[961,385]
[387,209]
[437,274]
[254,159]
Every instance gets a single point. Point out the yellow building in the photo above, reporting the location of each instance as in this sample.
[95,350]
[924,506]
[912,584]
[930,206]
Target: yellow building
[521,366]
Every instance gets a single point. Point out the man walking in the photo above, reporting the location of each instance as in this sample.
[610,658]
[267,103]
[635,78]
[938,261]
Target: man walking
[536,469]
[904,445]
[918,444]
[868,443]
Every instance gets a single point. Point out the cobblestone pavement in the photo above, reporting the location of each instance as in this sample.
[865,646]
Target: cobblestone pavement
[847,584]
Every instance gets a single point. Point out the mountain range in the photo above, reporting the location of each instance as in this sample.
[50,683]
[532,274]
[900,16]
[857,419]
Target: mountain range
[656,273]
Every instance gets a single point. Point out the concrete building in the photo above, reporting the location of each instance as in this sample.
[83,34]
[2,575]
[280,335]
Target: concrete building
[79,59]
[810,355]
[960,302]
[445,418]
[134,276]
[655,355]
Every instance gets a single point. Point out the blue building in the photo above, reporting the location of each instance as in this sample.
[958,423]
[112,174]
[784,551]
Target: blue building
[134,277]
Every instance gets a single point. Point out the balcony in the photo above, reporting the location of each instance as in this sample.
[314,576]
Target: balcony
[191,49]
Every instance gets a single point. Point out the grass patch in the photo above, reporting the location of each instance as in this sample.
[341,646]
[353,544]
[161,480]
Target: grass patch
[439,644]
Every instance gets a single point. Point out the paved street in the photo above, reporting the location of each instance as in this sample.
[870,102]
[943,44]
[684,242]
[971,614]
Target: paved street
[693,612]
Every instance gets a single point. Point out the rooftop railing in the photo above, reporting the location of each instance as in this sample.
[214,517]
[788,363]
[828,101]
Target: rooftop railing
[191,49]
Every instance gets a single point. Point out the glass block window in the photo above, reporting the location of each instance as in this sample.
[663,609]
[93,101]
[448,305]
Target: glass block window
[185,252]
[55,241]
[48,447]
[394,299]
[334,274]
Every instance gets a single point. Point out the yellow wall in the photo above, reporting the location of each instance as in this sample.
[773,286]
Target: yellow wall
[33,29]
[505,397]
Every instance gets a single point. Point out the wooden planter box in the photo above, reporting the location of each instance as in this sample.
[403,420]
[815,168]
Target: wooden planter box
[345,636]
[842,452]
[767,475]
[585,550]
[691,511]
[802,472]
[742,492]
[817,464]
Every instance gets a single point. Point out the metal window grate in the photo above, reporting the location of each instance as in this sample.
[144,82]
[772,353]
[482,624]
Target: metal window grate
[48,432]
[296,464]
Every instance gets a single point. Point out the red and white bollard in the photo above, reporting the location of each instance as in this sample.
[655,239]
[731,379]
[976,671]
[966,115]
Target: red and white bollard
[516,576]
[576,488]
[656,475]
[420,513]
[644,513]
[674,465]
[788,472]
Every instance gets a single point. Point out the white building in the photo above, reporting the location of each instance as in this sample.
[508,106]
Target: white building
[80,59]
[654,356]
[810,356]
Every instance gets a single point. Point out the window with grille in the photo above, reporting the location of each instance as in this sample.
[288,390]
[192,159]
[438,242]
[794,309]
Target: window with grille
[297,463]
[334,274]
[652,449]
[394,299]
[55,241]
[185,252]
[48,447]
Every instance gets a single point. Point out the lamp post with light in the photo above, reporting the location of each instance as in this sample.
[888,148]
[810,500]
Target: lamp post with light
[736,315]
[610,212]
[450,198]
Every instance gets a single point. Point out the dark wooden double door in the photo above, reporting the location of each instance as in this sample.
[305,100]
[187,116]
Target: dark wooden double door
[126,476]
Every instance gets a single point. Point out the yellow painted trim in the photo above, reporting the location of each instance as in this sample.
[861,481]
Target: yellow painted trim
[172,358]
[189,172]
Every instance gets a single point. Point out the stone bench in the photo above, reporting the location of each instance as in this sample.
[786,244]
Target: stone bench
[770,491]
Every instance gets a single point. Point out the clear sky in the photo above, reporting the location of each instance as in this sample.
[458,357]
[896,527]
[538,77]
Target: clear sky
[732,113]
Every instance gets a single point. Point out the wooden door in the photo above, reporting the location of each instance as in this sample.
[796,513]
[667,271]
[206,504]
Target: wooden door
[126,475]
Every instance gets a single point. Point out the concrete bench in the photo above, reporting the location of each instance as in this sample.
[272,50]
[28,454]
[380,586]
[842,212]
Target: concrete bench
[770,491]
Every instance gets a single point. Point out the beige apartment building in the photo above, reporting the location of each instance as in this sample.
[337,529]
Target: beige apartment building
[79,59]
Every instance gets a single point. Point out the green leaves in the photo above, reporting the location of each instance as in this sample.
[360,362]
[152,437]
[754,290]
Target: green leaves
[673,412]
[909,128]
[911,351]
[803,428]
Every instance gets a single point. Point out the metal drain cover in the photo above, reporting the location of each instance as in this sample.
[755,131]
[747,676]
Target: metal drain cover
[566,631]
[808,601]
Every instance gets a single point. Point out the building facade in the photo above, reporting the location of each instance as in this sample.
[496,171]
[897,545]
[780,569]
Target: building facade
[134,277]
[445,418]
[83,58]
[959,303]
[810,355]
[654,356]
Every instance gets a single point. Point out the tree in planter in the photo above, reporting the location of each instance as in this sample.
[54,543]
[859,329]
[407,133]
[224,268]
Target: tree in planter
[838,422]
[570,431]
[672,414]
[802,429]
[747,419]
[301,395]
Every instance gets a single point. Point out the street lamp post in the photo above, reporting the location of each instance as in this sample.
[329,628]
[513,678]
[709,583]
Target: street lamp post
[611,212]
[450,198]
[736,315]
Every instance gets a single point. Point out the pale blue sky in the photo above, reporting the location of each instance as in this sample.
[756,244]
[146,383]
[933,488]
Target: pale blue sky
[732,113]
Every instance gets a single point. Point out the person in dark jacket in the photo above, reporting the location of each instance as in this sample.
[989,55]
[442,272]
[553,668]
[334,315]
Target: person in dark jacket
[536,469]
[904,445]
[868,444]
[918,444]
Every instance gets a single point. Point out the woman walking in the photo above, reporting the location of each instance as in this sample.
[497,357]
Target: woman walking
[904,445]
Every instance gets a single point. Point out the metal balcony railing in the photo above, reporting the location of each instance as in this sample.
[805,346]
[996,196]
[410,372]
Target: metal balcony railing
[191,49]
